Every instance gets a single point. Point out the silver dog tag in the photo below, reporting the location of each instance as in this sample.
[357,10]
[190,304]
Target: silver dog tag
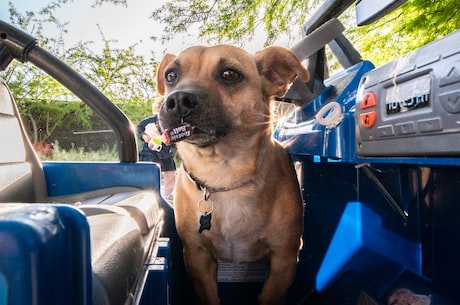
[206,206]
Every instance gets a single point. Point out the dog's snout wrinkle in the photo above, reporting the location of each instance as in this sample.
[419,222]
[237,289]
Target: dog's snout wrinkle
[181,103]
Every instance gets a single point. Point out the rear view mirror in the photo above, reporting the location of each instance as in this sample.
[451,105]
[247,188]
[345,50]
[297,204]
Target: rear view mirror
[368,11]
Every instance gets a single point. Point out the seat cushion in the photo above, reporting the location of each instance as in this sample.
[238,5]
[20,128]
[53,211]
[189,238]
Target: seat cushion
[117,256]
[124,225]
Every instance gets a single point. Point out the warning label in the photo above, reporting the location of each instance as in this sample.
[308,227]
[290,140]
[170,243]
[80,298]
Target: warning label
[242,273]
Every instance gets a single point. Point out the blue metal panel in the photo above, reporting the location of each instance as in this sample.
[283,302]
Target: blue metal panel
[302,134]
[361,243]
[44,255]
[157,287]
[3,290]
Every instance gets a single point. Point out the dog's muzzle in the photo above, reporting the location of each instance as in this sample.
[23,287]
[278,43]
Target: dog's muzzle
[203,111]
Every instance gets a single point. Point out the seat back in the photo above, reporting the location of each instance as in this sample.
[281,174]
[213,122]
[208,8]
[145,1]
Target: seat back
[22,178]
[108,232]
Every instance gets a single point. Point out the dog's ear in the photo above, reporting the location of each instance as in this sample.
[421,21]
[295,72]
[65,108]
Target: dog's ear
[160,73]
[279,66]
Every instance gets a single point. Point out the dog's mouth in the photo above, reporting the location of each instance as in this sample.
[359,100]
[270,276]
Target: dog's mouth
[178,133]
[200,136]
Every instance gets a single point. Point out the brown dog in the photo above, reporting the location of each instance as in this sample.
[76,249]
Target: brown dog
[237,197]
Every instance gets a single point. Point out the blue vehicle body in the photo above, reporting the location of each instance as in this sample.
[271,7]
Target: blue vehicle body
[379,215]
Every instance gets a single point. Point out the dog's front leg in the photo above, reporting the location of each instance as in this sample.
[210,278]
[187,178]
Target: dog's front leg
[281,274]
[202,269]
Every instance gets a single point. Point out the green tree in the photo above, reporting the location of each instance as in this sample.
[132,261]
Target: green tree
[233,21]
[46,106]
[415,23]
[126,78]
[42,102]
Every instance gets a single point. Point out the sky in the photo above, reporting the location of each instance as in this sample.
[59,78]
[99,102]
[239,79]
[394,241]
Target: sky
[128,25]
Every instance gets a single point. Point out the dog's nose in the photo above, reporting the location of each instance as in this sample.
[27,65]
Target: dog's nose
[181,103]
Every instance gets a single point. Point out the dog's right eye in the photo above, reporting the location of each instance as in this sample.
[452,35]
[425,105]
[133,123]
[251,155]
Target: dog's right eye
[171,77]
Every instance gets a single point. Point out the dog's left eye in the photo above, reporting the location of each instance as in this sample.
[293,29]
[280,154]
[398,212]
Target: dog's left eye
[230,75]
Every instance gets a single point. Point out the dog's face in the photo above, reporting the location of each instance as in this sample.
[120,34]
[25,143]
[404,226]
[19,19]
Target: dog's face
[222,89]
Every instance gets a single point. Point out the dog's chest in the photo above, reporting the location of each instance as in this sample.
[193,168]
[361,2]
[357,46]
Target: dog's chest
[236,231]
